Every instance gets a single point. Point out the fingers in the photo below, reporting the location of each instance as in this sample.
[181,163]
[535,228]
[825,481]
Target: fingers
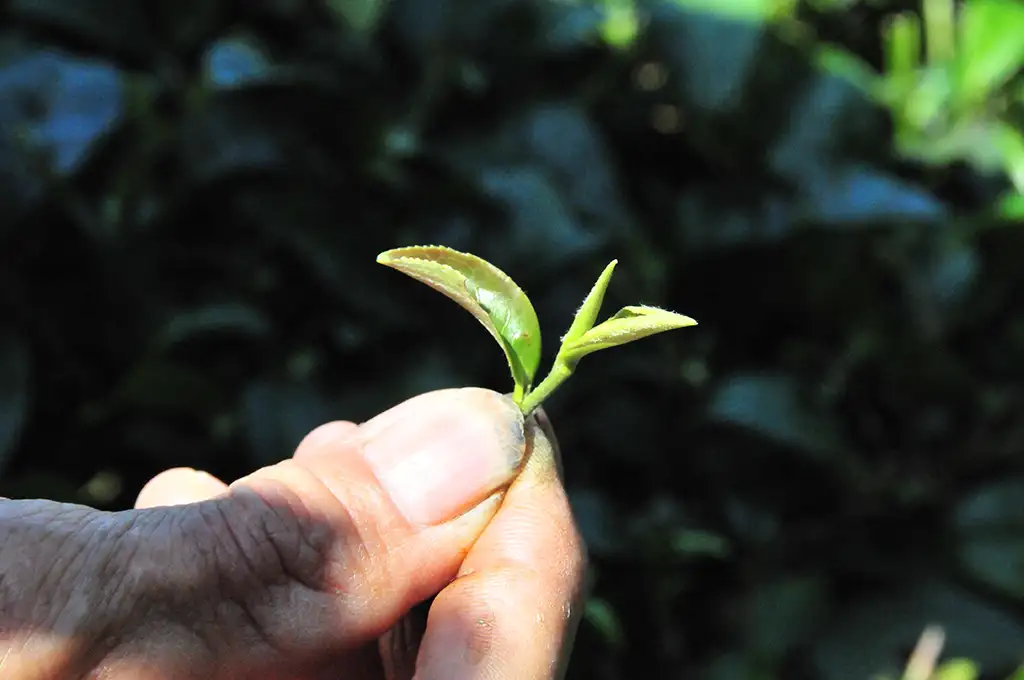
[325,439]
[365,521]
[514,608]
[179,486]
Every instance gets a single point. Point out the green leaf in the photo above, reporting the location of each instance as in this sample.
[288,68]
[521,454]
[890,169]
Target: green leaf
[621,23]
[743,10]
[1011,207]
[939,30]
[631,323]
[957,669]
[901,38]
[1010,143]
[588,311]
[484,291]
[847,66]
[1017,674]
[991,46]
[600,614]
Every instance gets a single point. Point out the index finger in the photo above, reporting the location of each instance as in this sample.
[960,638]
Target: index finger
[514,607]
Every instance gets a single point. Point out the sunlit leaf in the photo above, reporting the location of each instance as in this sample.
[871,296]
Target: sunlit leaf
[486,292]
[957,669]
[902,43]
[591,307]
[991,48]
[1011,206]
[939,29]
[743,10]
[848,66]
[621,23]
[1010,143]
[631,323]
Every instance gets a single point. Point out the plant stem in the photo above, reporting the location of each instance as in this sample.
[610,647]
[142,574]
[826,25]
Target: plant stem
[560,372]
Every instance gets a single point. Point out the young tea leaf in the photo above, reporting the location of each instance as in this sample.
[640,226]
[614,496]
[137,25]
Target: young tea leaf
[631,323]
[487,293]
[588,311]
[957,669]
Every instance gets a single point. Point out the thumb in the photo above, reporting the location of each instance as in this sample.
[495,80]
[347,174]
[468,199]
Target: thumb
[319,554]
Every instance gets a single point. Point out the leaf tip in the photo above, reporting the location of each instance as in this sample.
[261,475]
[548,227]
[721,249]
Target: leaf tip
[680,320]
[385,257]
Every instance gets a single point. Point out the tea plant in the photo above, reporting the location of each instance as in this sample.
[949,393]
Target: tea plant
[502,307]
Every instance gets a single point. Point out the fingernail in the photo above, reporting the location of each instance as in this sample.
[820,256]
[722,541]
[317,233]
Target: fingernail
[544,423]
[439,454]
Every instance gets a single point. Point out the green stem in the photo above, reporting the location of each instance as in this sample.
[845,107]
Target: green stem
[560,372]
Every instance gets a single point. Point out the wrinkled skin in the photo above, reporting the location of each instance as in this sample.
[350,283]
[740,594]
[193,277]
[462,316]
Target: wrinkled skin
[304,570]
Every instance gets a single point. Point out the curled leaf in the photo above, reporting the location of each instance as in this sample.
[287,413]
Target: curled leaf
[631,323]
[484,291]
[588,311]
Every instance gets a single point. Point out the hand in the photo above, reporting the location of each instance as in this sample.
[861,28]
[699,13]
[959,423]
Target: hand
[311,568]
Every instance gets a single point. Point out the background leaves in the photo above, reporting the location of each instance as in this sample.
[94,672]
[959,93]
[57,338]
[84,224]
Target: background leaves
[15,383]
[194,195]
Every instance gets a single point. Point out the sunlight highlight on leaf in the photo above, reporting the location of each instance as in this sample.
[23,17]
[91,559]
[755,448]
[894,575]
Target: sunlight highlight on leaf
[591,307]
[631,323]
[487,293]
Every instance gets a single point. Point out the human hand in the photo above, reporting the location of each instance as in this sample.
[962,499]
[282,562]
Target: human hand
[309,569]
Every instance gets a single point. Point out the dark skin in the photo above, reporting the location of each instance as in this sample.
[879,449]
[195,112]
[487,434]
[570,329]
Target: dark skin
[313,568]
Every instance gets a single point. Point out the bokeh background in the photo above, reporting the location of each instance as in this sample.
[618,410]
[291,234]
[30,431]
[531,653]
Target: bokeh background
[193,193]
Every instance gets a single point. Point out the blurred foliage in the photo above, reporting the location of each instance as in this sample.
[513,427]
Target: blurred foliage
[924,662]
[194,195]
